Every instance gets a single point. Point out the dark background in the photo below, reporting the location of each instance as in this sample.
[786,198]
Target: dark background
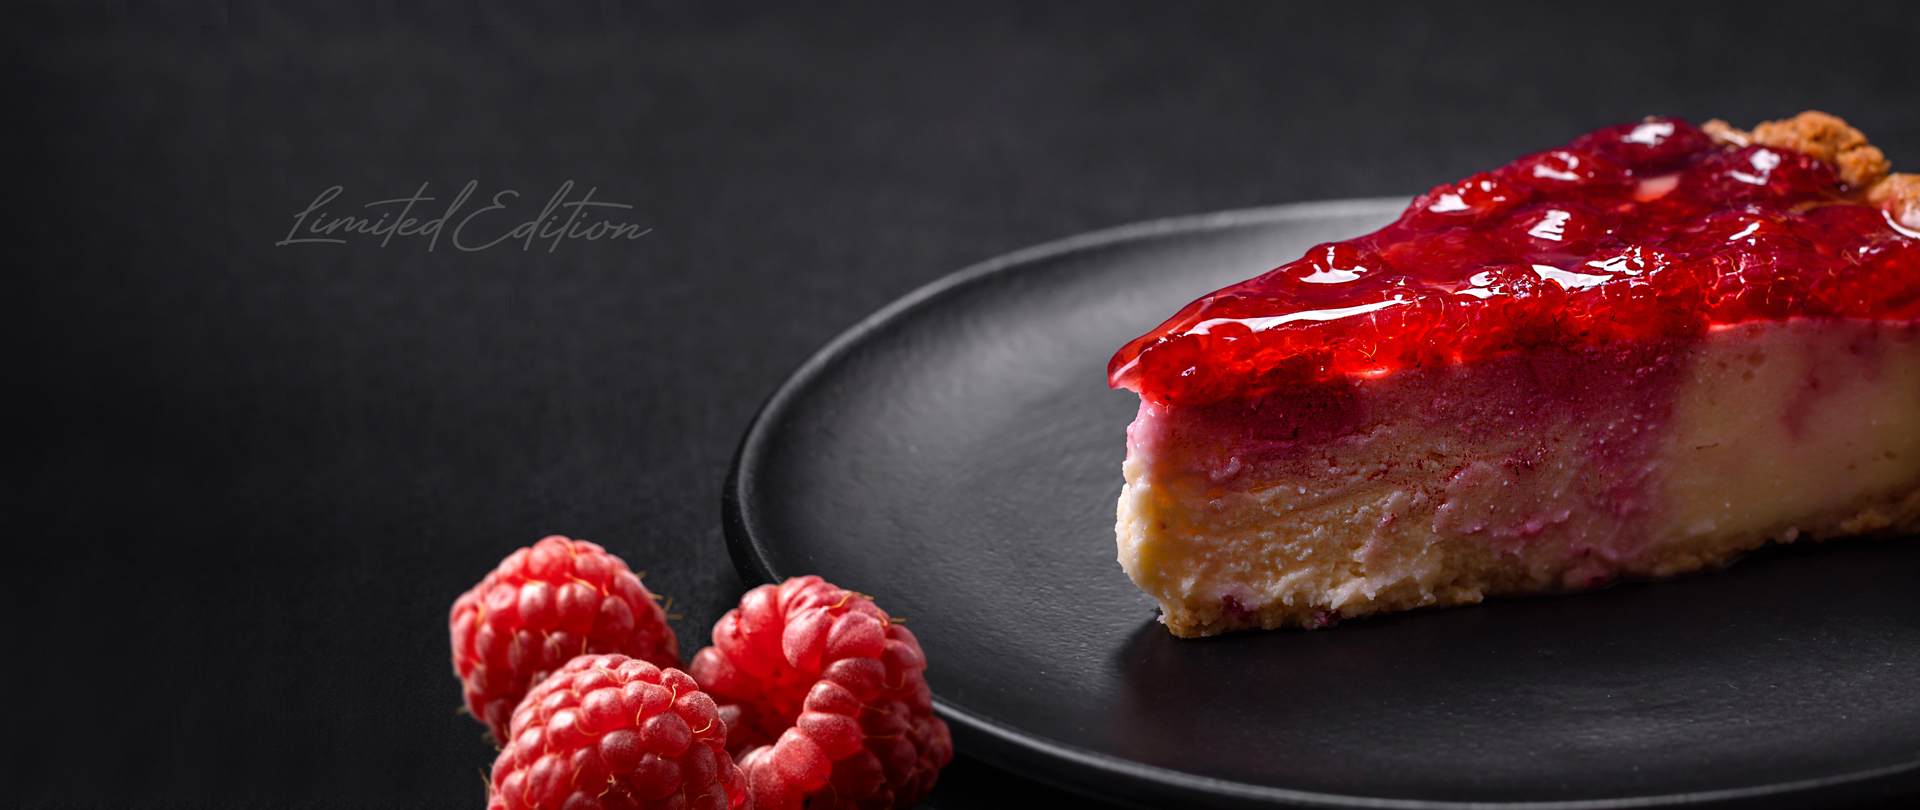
[244,481]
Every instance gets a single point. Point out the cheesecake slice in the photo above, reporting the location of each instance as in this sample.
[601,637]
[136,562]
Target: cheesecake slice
[1639,355]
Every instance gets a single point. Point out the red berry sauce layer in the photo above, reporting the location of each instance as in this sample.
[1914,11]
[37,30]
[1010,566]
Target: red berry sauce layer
[1649,230]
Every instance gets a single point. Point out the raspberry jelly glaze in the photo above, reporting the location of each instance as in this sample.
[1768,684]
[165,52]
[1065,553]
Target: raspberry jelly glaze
[1643,231]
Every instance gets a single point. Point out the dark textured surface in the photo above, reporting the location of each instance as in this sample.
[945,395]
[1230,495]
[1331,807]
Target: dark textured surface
[245,481]
[957,457]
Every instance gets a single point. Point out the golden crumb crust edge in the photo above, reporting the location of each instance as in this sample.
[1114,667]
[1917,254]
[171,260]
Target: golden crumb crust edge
[1478,575]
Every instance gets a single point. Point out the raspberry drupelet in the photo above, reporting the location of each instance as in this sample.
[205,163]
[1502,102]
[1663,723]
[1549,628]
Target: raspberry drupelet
[543,606]
[608,732]
[824,699]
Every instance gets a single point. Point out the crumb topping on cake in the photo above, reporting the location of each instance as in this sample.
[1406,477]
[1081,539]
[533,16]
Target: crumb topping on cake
[1818,135]
[1860,165]
[1899,196]
[1652,229]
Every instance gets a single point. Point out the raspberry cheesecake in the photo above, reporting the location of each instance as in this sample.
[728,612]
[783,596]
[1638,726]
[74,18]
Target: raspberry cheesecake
[1642,354]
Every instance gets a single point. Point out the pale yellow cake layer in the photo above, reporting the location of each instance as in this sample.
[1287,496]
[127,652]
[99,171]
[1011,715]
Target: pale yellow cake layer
[1442,487]
[1782,421]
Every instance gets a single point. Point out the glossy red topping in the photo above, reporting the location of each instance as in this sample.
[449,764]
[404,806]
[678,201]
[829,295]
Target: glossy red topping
[1644,230]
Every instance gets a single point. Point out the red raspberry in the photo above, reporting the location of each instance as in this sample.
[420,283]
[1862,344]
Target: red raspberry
[608,732]
[824,700]
[540,608]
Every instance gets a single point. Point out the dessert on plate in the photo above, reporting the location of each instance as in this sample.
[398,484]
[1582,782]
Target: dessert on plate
[1642,354]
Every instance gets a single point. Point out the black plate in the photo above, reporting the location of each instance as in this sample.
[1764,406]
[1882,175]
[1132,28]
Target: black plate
[958,455]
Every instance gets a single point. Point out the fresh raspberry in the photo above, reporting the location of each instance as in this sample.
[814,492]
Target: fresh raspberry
[540,608]
[608,732]
[824,700]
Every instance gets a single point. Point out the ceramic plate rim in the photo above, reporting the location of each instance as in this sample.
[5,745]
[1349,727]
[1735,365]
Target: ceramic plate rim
[1095,774]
